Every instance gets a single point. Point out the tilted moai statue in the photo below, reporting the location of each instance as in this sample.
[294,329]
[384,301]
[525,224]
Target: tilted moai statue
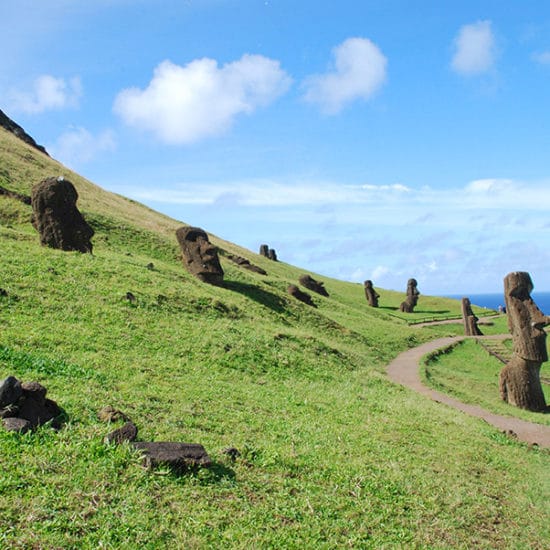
[293,290]
[317,286]
[56,217]
[412,297]
[370,294]
[520,378]
[469,319]
[200,257]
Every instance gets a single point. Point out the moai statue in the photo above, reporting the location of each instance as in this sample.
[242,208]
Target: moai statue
[264,250]
[310,283]
[412,297]
[370,294]
[56,217]
[200,257]
[520,378]
[469,319]
[272,255]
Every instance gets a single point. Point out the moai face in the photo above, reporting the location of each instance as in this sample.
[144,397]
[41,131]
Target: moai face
[56,217]
[200,256]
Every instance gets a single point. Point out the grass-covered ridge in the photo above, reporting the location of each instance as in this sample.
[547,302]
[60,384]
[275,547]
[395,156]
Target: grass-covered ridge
[332,454]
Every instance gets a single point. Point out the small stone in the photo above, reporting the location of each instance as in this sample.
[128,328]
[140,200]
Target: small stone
[3,292]
[110,414]
[232,453]
[150,266]
[10,391]
[36,412]
[130,297]
[128,432]
[175,455]
[14,424]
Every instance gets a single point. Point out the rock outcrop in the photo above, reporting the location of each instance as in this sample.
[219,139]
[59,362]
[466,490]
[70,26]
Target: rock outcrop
[8,124]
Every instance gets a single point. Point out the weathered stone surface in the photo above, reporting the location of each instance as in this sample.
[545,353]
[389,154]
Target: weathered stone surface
[469,319]
[519,381]
[412,297]
[36,412]
[8,124]
[34,390]
[310,283]
[264,250]
[56,217]
[10,391]
[370,294]
[175,455]
[243,262]
[13,424]
[128,432]
[110,414]
[293,290]
[200,257]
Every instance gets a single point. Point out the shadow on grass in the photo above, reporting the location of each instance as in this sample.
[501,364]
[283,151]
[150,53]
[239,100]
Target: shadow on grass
[212,475]
[267,299]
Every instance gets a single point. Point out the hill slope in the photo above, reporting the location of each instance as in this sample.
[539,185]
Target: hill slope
[332,454]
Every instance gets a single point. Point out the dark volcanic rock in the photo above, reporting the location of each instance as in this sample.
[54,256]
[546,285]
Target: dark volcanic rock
[176,455]
[16,425]
[10,391]
[264,250]
[35,390]
[310,283]
[293,290]
[8,124]
[56,217]
[200,257]
[128,432]
[272,255]
[38,413]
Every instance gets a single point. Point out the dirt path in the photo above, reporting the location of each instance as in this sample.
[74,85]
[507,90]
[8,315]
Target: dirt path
[405,370]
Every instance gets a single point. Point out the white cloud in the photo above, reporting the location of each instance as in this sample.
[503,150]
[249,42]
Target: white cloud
[48,93]
[359,71]
[542,57]
[474,49]
[78,146]
[491,185]
[182,105]
[379,272]
[398,187]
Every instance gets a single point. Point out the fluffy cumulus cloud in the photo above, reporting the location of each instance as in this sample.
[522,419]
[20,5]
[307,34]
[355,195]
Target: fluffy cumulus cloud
[78,146]
[47,93]
[185,104]
[359,70]
[474,49]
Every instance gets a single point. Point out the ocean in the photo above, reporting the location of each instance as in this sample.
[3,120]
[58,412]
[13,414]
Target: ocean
[492,301]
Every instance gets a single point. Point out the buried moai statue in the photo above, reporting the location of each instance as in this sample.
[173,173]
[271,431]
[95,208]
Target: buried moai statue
[268,252]
[469,319]
[412,297]
[56,217]
[520,379]
[200,257]
[370,294]
[317,286]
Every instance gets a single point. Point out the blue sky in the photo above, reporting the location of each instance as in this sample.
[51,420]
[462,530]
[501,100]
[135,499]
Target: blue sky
[372,139]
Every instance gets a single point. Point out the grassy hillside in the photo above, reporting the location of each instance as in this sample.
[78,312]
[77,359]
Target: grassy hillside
[332,454]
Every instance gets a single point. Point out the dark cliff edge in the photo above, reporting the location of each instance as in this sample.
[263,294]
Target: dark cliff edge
[11,126]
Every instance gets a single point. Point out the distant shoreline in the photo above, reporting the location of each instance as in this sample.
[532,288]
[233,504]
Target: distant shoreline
[492,301]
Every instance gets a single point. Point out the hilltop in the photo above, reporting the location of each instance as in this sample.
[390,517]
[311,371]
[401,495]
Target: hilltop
[332,454]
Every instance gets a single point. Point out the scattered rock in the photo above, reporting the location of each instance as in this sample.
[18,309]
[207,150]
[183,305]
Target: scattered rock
[150,266]
[130,297]
[10,391]
[56,217]
[110,414]
[175,455]
[3,292]
[293,290]
[26,403]
[128,432]
[310,283]
[13,424]
[200,257]
[232,453]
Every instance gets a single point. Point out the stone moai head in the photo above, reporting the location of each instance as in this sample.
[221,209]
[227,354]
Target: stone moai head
[525,320]
[56,217]
[264,250]
[371,294]
[200,257]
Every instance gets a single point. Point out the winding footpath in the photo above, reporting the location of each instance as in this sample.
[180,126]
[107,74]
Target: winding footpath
[405,370]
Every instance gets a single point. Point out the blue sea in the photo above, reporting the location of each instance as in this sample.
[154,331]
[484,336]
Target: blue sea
[492,301]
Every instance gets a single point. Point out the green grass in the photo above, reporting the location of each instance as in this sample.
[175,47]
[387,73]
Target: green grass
[471,374]
[332,454]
